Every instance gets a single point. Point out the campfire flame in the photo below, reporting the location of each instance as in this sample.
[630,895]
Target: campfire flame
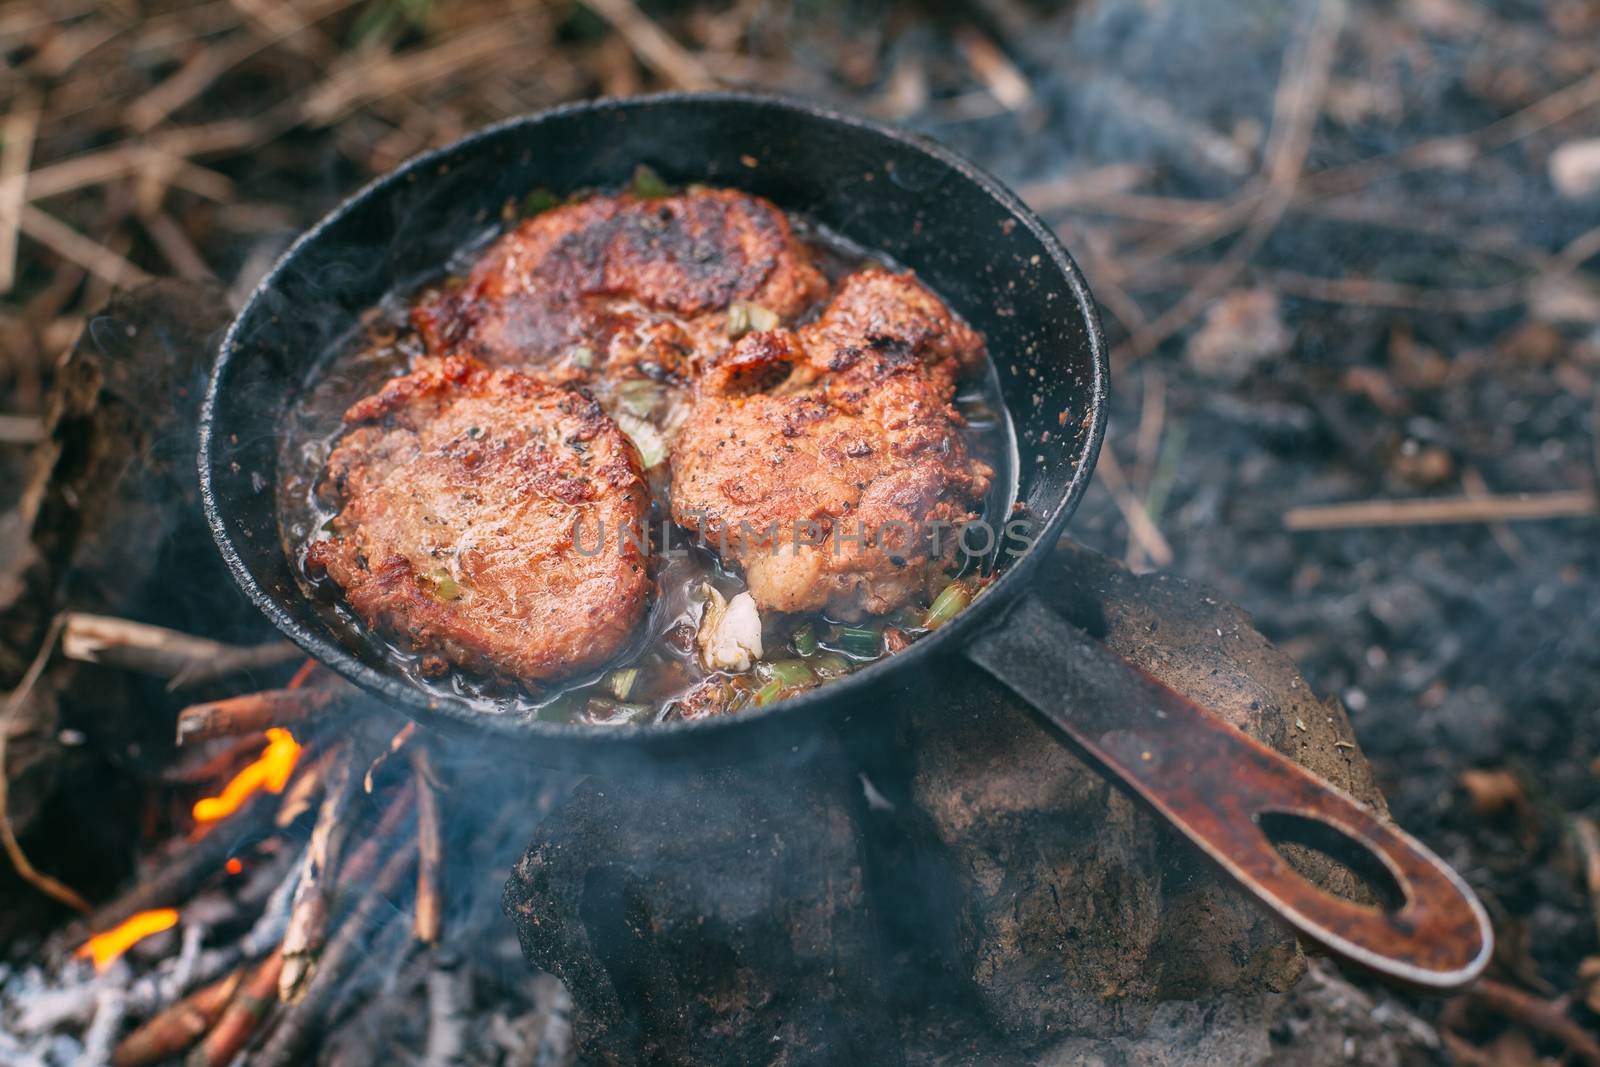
[105,948]
[270,772]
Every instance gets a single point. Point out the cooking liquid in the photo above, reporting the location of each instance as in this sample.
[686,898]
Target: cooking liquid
[664,650]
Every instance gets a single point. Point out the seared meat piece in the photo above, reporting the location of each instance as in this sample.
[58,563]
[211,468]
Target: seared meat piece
[462,489]
[617,286]
[825,460]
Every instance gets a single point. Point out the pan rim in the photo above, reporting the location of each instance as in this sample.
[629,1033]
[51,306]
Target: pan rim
[950,638]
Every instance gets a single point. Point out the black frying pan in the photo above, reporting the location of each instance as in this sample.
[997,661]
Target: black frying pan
[980,248]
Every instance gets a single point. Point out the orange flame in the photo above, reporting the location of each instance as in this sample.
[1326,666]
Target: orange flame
[270,772]
[105,948]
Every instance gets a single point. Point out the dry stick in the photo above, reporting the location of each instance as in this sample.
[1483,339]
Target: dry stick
[1443,511]
[1544,1016]
[177,1028]
[1299,101]
[51,887]
[364,860]
[249,1006]
[399,741]
[185,659]
[1587,833]
[71,245]
[655,49]
[994,69]
[151,109]
[307,783]
[308,920]
[1557,107]
[429,913]
[300,1021]
[1087,186]
[1141,527]
[254,712]
[16,152]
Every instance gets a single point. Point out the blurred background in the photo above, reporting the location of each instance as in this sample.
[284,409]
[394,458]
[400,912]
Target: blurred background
[1348,254]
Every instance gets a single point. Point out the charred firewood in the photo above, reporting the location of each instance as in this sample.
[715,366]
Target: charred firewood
[255,712]
[254,1000]
[178,877]
[430,850]
[302,1020]
[177,1028]
[308,919]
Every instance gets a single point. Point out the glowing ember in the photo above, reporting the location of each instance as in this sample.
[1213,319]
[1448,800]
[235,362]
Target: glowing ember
[105,948]
[270,772]
[234,865]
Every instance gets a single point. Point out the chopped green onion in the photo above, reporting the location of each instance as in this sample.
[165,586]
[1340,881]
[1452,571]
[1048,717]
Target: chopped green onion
[805,640]
[615,713]
[645,437]
[744,316]
[830,665]
[443,586]
[538,202]
[639,396]
[863,642]
[582,356]
[648,185]
[768,693]
[947,605]
[620,682]
[791,672]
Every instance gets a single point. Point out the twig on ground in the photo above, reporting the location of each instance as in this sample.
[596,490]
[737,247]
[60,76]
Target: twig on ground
[675,65]
[1299,101]
[1141,528]
[1443,511]
[69,244]
[16,152]
[1546,1017]
[1086,186]
[51,887]
[992,68]
[1586,832]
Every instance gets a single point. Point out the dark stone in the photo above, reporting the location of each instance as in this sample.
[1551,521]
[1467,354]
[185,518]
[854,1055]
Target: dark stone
[1081,911]
[714,919]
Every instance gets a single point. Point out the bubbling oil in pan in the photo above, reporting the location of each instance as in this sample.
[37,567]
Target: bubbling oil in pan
[647,681]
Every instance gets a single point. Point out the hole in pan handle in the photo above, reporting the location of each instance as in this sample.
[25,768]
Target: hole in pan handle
[1217,786]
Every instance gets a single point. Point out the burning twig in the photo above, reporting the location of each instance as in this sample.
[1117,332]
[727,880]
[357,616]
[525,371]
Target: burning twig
[179,876]
[399,741]
[177,1028]
[254,712]
[185,659]
[239,1019]
[308,918]
[301,1020]
[1443,510]
[428,916]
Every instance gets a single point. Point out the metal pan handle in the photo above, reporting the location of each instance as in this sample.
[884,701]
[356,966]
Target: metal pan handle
[1217,785]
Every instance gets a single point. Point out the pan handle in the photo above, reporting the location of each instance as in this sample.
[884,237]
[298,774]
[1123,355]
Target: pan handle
[1219,787]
